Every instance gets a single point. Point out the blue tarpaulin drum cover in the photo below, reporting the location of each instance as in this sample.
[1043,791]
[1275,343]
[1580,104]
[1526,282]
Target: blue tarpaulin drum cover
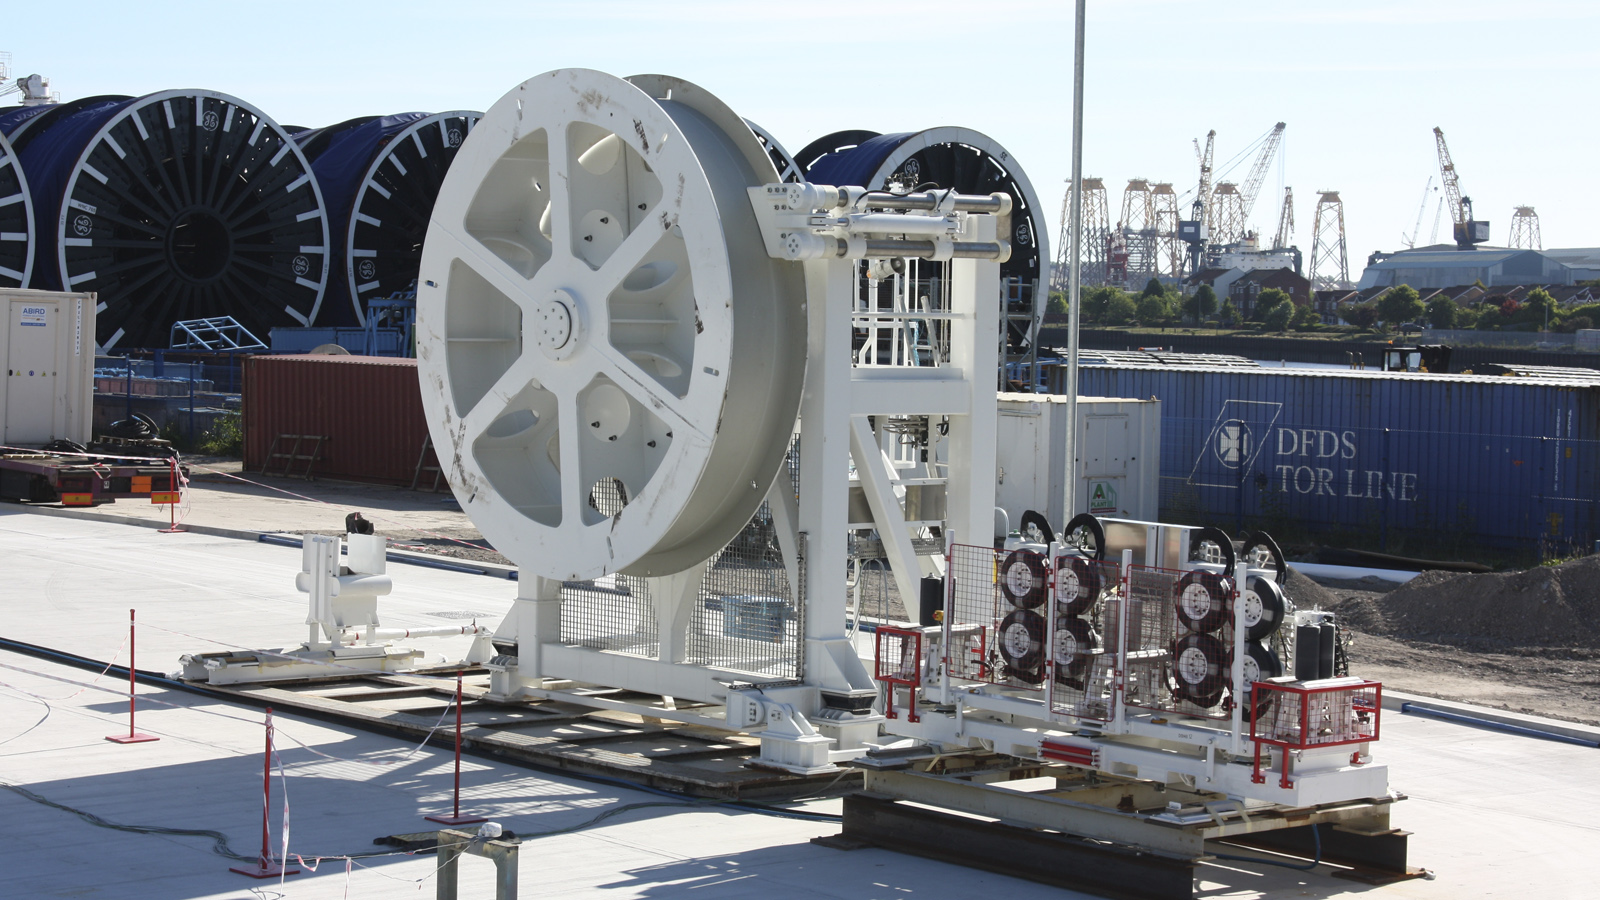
[380,175]
[177,205]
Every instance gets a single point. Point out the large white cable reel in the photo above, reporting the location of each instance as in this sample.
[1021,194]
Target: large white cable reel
[610,361]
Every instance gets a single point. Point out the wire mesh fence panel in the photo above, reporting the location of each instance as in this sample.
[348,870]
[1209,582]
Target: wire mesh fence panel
[746,619]
[615,613]
[791,465]
[971,603]
[997,604]
[1148,624]
[1083,637]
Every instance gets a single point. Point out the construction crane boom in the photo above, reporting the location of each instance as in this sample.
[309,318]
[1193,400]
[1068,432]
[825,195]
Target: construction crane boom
[1468,230]
[1252,184]
[1416,230]
[1202,199]
[1285,221]
[1451,182]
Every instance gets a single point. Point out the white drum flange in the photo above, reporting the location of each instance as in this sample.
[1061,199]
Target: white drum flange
[610,362]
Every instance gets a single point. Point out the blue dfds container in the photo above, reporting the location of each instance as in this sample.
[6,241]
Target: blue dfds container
[1469,460]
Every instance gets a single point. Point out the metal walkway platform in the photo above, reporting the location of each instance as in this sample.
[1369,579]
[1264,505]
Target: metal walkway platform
[685,759]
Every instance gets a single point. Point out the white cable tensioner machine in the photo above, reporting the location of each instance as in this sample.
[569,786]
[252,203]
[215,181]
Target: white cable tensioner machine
[624,320]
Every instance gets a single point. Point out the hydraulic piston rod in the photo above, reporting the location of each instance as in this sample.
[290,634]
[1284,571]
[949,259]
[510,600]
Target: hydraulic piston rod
[997,250]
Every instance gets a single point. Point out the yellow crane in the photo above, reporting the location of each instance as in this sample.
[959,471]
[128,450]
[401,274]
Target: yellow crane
[1468,231]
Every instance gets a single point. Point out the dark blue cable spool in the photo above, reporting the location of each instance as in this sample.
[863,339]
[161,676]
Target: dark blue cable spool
[176,205]
[857,164]
[18,126]
[18,122]
[50,147]
[380,176]
[836,142]
[16,220]
[959,159]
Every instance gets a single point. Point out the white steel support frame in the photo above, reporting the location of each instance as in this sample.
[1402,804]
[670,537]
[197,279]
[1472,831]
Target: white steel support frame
[879,478]
[837,401]
[838,398]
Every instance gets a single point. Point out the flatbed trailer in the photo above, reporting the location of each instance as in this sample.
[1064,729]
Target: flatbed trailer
[84,480]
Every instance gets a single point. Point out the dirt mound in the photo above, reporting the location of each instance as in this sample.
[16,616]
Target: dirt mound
[1307,594]
[1545,607]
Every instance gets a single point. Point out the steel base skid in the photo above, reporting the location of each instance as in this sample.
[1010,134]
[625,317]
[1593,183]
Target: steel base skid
[1069,827]
[1061,860]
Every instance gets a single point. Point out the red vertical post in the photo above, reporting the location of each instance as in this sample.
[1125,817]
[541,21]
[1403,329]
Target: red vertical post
[457,818]
[265,867]
[132,737]
[173,487]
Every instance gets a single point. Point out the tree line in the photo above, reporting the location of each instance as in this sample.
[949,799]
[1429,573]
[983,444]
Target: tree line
[1493,311]
[1161,305]
[1165,305]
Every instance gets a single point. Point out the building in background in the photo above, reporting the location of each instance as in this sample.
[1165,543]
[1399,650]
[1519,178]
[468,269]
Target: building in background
[1247,287]
[1583,261]
[1442,265]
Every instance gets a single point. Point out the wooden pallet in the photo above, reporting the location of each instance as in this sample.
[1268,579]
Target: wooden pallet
[693,760]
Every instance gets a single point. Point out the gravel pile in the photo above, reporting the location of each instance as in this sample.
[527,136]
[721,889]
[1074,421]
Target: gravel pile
[1307,594]
[1544,607]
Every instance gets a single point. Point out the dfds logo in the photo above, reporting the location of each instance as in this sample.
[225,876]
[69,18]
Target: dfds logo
[1234,443]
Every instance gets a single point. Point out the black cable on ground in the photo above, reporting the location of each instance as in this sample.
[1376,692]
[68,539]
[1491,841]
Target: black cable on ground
[467,748]
[219,840]
[221,847]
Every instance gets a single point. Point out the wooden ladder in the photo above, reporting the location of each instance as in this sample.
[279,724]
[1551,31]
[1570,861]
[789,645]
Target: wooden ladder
[294,453]
[422,456]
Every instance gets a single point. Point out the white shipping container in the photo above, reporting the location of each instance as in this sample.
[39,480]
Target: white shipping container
[47,353]
[1117,469]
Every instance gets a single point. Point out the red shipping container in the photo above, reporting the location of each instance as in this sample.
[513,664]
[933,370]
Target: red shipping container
[368,409]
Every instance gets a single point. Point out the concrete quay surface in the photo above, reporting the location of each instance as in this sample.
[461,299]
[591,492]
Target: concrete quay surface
[1493,815]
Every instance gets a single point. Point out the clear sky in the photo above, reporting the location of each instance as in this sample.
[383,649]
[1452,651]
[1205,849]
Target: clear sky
[1361,84]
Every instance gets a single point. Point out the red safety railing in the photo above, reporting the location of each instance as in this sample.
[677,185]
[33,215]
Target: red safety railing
[897,655]
[1313,716]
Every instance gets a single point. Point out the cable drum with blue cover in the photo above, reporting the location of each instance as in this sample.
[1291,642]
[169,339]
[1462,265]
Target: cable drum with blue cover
[380,176]
[20,123]
[18,228]
[837,142]
[951,158]
[183,204]
[16,220]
